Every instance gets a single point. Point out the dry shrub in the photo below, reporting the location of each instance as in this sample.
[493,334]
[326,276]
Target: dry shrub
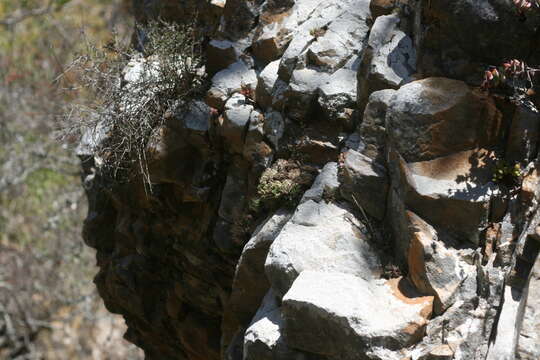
[133,92]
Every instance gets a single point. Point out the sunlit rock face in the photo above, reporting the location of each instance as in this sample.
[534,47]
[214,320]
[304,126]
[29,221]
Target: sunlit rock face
[397,243]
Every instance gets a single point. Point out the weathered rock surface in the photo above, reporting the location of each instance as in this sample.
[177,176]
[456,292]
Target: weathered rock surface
[372,129]
[320,236]
[435,117]
[250,285]
[466,34]
[365,183]
[529,333]
[433,268]
[337,315]
[402,248]
[389,60]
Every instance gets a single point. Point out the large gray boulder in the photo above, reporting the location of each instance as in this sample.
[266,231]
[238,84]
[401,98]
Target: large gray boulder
[342,315]
[436,117]
[452,193]
[324,237]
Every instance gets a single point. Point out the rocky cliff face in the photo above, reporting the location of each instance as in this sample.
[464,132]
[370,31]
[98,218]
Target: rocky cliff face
[395,242]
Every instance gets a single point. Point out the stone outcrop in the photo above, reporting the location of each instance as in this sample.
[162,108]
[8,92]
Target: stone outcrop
[331,196]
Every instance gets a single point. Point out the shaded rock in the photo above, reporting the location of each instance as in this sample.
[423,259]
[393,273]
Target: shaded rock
[240,17]
[372,130]
[250,285]
[234,192]
[435,117]
[318,151]
[220,54]
[381,7]
[320,236]
[399,226]
[523,137]
[256,150]
[339,315]
[325,186]
[365,183]
[192,121]
[235,121]
[274,127]
[469,35]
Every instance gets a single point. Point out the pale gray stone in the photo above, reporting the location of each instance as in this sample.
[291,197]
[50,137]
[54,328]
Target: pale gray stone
[320,236]
[529,335]
[325,185]
[267,78]
[341,315]
[230,80]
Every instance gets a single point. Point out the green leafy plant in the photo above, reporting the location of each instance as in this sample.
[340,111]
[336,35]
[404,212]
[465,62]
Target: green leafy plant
[507,174]
[281,185]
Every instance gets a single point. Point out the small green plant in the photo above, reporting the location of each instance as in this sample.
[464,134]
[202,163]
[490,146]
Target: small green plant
[274,187]
[507,174]
[281,185]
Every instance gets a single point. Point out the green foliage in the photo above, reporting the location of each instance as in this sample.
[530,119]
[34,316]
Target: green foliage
[507,174]
[281,185]
[273,188]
